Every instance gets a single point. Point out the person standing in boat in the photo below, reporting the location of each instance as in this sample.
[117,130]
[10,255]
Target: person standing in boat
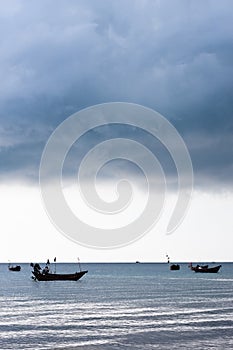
[36,267]
[45,270]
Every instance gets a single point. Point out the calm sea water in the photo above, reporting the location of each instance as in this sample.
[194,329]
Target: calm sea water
[117,306]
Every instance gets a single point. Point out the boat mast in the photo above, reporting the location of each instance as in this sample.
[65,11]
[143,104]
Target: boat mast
[79,264]
[55,260]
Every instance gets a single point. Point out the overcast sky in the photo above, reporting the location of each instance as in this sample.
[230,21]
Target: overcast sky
[60,56]
[173,56]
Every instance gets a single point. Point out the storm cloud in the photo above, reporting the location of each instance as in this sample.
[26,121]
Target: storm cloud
[175,57]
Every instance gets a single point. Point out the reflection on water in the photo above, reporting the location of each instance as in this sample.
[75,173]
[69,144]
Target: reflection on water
[117,306]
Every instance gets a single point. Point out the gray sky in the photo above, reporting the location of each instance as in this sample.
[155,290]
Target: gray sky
[58,57]
[173,56]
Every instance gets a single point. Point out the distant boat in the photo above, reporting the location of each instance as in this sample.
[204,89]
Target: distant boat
[14,268]
[45,275]
[137,262]
[205,268]
[174,267]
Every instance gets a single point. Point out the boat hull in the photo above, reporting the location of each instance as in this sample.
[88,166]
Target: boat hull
[174,267]
[214,269]
[14,268]
[58,277]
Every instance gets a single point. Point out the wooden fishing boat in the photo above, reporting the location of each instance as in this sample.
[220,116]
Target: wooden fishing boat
[58,276]
[205,269]
[14,268]
[45,274]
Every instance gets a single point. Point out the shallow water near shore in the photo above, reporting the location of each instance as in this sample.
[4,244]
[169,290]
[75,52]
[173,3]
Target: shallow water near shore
[117,306]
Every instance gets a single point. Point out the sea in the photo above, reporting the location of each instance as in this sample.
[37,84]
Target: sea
[117,306]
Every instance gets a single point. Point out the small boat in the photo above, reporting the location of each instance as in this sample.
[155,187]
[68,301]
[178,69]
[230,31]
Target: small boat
[14,268]
[174,267]
[45,275]
[205,268]
[58,276]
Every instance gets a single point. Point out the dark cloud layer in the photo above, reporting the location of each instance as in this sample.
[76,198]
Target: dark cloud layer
[173,56]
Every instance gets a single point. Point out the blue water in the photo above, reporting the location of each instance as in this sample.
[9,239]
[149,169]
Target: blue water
[117,306]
